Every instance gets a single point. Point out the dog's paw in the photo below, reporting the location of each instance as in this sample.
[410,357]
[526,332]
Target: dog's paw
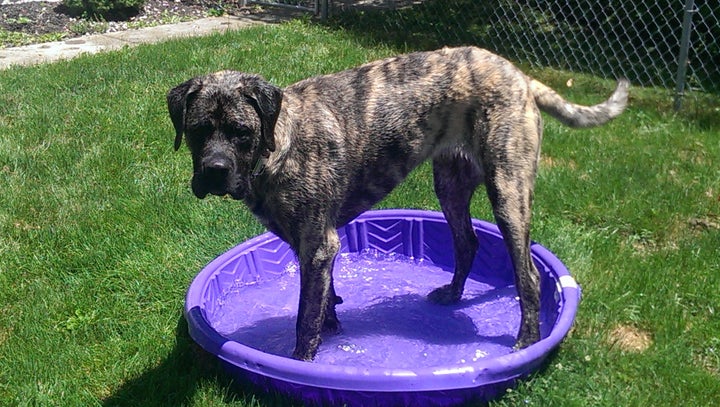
[521,345]
[445,295]
[303,356]
[332,326]
[306,351]
[527,338]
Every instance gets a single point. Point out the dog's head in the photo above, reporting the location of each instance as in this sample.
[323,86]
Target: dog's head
[228,119]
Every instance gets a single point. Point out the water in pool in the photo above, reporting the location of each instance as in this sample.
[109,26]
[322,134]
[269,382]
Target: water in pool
[386,319]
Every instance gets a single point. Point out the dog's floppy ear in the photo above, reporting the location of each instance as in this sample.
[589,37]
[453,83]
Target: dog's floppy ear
[177,100]
[266,99]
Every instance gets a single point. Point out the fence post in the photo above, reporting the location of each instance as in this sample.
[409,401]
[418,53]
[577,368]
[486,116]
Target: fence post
[322,7]
[688,12]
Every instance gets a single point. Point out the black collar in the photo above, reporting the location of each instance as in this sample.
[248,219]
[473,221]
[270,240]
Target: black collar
[259,167]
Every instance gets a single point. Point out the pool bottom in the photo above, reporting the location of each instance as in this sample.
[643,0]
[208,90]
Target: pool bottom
[387,320]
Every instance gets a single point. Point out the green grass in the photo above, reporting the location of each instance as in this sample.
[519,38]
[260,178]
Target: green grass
[16,38]
[100,235]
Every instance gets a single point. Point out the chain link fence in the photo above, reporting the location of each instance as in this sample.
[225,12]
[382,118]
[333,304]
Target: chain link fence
[318,7]
[669,43]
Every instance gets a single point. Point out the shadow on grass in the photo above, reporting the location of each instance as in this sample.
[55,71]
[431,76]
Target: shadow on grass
[177,379]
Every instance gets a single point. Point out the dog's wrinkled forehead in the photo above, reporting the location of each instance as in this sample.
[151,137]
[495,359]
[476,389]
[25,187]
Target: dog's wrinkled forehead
[230,101]
[224,87]
[230,80]
[222,99]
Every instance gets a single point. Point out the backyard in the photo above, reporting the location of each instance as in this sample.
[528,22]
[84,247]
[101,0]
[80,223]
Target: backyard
[101,236]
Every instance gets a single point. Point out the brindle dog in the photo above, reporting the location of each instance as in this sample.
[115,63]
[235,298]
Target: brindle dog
[309,158]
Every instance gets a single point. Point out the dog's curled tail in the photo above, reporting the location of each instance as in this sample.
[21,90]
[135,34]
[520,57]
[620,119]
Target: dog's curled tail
[577,115]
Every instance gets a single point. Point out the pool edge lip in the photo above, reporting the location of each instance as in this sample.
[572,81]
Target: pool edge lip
[349,378]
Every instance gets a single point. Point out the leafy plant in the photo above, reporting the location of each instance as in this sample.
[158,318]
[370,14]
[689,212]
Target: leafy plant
[217,10]
[20,20]
[16,39]
[106,9]
[83,26]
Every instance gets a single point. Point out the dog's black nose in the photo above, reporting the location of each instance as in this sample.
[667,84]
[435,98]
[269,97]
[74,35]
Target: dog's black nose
[216,170]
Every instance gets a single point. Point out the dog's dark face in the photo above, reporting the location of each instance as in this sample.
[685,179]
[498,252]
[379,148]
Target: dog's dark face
[228,119]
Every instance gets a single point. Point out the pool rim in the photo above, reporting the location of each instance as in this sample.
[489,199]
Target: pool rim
[349,378]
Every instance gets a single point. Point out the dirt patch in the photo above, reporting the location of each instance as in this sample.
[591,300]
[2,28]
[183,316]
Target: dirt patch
[628,338]
[709,358]
[703,224]
[551,162]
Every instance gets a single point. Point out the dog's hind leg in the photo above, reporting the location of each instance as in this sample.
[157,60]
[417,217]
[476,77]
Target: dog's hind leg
[510,190]
[456,178]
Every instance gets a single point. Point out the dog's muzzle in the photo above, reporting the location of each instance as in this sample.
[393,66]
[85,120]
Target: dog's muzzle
[215,177]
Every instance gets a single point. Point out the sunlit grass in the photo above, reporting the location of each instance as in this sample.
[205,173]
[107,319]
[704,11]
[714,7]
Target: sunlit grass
[100,235]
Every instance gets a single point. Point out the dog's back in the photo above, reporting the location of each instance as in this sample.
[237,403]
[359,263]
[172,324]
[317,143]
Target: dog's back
[388,116]
[436,96]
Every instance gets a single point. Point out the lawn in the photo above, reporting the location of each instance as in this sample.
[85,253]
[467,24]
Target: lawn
[101,236]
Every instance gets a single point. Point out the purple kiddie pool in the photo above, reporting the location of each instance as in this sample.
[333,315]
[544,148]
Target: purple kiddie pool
[396,348]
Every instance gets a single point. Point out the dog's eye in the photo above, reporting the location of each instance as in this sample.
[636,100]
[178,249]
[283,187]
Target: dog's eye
[241,134]
[200,128]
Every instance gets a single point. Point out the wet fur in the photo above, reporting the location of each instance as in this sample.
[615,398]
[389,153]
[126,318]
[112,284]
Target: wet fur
[311,157]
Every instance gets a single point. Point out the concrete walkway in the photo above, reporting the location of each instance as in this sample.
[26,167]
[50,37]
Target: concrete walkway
[53,51]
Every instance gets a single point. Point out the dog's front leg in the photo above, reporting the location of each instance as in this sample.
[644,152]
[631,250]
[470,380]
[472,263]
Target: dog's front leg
[316,311]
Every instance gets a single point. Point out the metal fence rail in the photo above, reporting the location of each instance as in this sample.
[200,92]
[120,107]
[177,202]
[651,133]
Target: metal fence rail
[669,43]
